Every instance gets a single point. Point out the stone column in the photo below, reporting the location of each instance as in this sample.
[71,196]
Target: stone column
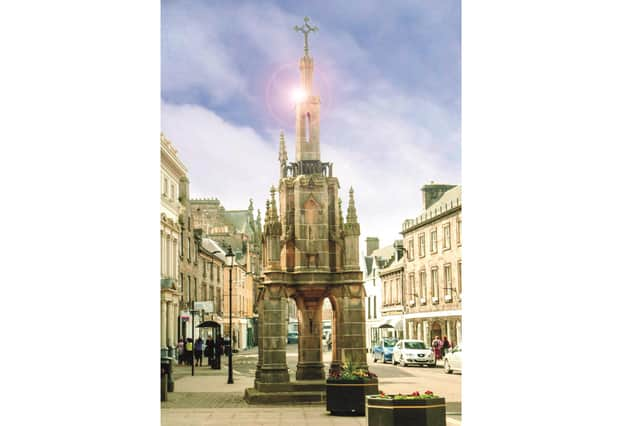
[310,366]
[350,328]
[163,327]
[274,336]
[260,331]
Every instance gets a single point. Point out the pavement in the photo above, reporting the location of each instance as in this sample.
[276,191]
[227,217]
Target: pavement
[207,399]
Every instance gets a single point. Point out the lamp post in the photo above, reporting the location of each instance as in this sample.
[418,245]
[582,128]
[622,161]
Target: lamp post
[229,257]
[193,335]
[404,321]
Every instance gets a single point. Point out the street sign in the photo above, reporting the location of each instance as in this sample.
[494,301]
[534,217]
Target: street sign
[204,306]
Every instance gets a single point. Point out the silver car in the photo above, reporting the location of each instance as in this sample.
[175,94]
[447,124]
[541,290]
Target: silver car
[453,360]
[407,352]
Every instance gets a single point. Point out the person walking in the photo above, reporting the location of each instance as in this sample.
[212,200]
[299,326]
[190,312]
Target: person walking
[199,343]
[180,351]
[436,344]
[208,350]
[445,345]
[188,350]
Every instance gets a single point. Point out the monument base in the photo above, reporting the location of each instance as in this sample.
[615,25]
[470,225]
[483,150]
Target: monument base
[301,391]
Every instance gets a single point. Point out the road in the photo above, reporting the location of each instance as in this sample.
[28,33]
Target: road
[392,379]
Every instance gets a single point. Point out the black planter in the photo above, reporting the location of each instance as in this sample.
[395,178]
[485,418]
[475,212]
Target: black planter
[399,412]
[348,397]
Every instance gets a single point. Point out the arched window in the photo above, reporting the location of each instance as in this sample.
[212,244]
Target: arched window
[308,127]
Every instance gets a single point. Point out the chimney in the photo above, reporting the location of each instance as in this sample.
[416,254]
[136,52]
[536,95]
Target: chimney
[432,193]
[398,245]
[373,243]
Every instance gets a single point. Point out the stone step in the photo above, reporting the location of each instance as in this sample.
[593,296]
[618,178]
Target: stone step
[252,396]
[297,386]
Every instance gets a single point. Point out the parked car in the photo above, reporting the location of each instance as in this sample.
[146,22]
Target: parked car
[407,352]
[383,351]
[292,338]
[453,360]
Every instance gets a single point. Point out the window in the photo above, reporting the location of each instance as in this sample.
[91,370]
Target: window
[387,293]
[434,282]
[423,284]
[164,188]
[447,236]
[189,283]
[410,249]
[458,228]
[173,192]
[447,279]
[398,292]
[412,286]
[459,278]
[369,307]
[195,288]
[434,241]
[421,245]
[218,272]
[218,301]
[375,302]
[189,249]
[182,285]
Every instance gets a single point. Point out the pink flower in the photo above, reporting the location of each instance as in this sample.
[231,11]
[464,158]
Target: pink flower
[428,392]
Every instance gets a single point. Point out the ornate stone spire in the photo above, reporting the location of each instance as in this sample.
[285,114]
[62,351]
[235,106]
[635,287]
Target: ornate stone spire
[283,150]
[307,106]
[274,209]
[351,210]
[340,212]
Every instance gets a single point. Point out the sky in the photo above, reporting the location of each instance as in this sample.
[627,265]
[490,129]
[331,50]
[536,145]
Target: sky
[388,77]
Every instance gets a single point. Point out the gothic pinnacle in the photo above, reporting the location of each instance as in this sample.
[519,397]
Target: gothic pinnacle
[274,210]
[282,157]
[351,210]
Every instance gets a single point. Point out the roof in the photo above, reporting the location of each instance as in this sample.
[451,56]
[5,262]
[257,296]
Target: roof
[239,219]
[450,200]
[212,247]
[381,256]
[395,265]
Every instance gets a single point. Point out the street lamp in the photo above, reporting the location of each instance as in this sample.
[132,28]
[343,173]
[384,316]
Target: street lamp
[229,257]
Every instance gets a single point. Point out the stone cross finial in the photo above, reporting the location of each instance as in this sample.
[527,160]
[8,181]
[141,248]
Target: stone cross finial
[306,29]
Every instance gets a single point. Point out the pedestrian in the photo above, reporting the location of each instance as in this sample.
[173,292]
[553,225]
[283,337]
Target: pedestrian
[445,346]
[188,350]
[208,350]
[199,343]
[436,344]
[180,351]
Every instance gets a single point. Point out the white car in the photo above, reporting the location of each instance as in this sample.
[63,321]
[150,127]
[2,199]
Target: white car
[453,360]
[407,352]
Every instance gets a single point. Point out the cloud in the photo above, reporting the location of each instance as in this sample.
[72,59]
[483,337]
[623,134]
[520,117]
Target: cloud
[230,162]
[388,78]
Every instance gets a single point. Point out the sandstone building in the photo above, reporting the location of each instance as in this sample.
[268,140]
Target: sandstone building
[171,171]
[433,266]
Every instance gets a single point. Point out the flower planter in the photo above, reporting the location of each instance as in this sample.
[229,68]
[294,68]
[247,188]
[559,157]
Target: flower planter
[398,412]
[347,397]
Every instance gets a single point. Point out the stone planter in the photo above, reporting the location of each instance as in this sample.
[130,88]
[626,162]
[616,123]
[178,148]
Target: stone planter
[398,412]
[347,397]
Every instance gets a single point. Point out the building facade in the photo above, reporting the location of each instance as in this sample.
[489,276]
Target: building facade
[171,171]
[242,232]
[392,278]
[433,266]
[375,259]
